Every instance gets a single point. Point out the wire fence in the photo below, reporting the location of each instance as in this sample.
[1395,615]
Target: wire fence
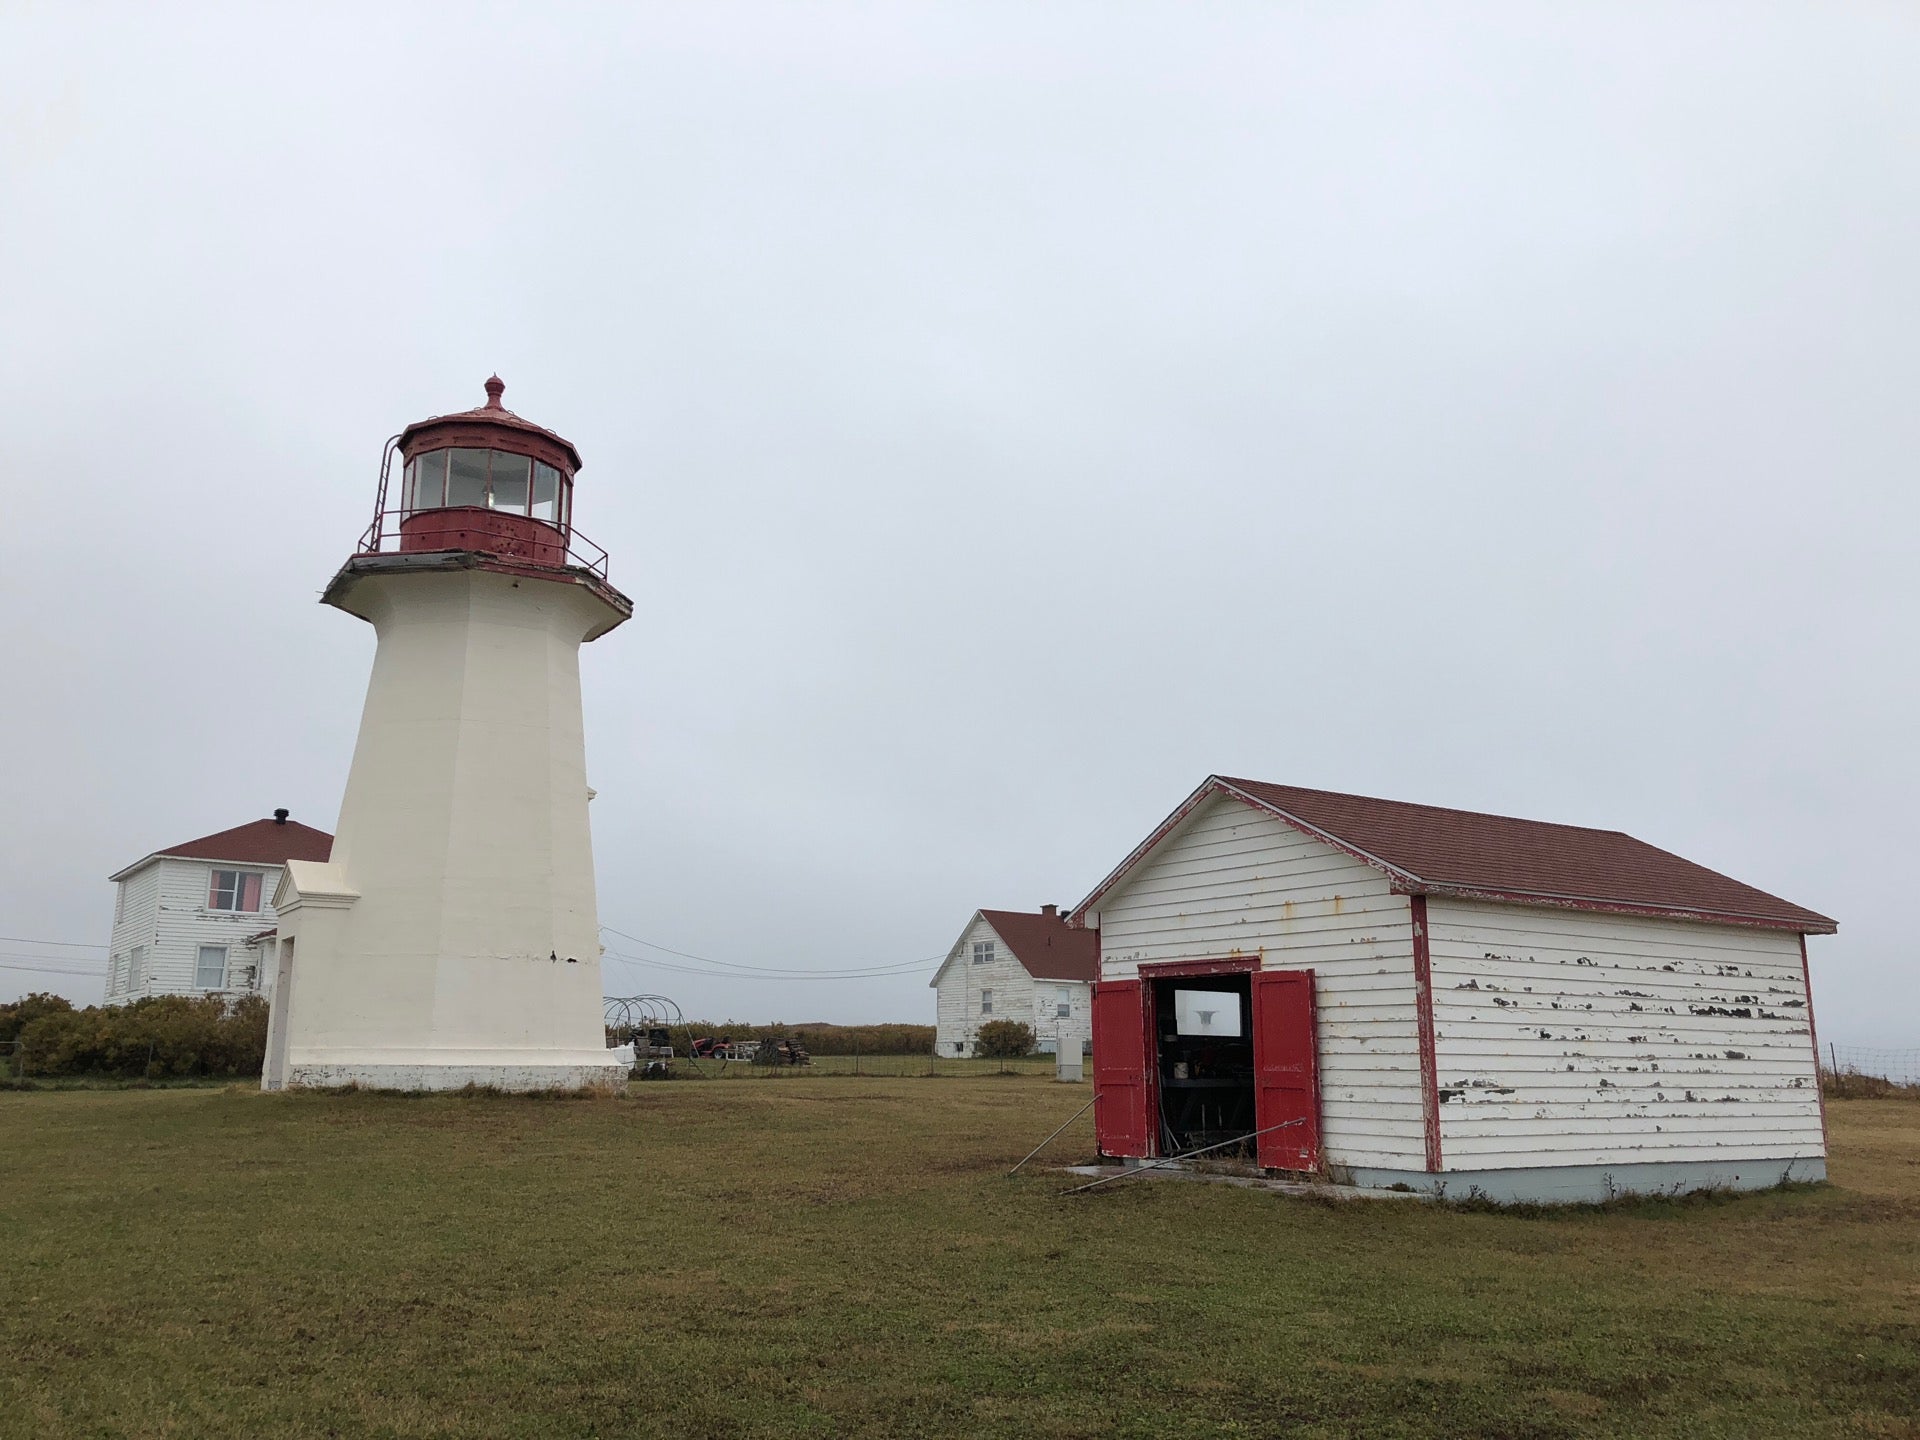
[1900,1066]
[950,1067]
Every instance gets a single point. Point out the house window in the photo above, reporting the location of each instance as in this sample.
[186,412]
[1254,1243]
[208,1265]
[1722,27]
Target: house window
[211,972]
[234,890]
[136,967]
[986,1002]
[1063,1006]
[983,952]
[959,1047]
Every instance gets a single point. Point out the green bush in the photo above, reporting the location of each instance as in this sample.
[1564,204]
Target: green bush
[17,1016]
[1003,1040]
[168,1035]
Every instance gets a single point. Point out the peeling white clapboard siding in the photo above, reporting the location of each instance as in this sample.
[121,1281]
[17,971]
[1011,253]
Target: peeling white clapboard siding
[1576,1038]
[1233,881]
[1054,1031]
[135,922]
[164,907]
[958,991]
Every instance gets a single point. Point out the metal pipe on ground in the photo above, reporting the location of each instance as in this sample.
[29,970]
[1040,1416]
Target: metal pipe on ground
[1050,1139]
[1169,1160]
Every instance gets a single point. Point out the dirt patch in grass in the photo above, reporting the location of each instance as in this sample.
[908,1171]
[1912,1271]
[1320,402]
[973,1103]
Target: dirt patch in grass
[849,1259]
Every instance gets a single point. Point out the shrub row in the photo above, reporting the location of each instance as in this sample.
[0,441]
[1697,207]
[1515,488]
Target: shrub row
[168,1035]
[997,1038]
[818,1037]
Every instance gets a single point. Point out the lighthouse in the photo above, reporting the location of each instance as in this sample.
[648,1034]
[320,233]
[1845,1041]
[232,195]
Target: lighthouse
[452,937]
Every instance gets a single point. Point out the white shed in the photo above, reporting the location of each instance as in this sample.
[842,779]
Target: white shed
[196,918]
[1015,965]
[1454,1002]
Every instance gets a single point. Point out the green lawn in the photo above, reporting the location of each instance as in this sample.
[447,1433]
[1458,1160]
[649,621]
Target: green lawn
[846,1258]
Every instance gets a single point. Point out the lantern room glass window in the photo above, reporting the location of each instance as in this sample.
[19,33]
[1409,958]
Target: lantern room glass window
[546,493]
[508,481]
[466,477]
[487,479]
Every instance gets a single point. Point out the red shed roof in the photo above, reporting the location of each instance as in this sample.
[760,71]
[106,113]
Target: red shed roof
[258,842]
[1431,850]
[1046,946]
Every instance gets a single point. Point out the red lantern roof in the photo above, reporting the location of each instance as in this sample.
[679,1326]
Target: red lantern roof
[490,425]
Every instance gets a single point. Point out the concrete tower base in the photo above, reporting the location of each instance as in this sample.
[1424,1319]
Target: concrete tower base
[520,1078]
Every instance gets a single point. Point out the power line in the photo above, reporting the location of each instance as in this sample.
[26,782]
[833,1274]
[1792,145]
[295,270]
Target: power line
[55,970]
[891,967]
[859,972]
[649,962]
[63,944]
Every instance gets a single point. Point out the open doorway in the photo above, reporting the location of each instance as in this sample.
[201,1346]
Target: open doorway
[1195,1053]
[1204,1056]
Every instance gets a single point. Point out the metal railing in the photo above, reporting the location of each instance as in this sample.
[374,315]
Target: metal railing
[558,545]
[530,541]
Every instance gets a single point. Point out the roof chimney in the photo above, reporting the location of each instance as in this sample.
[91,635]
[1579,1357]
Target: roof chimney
[280,816]
[1052,912]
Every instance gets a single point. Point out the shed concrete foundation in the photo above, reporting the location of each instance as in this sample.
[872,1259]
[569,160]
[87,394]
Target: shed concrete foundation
[1593,1184]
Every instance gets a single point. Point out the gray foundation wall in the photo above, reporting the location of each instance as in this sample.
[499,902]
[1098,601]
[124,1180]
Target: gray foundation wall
[1588,1184]
[519,1078]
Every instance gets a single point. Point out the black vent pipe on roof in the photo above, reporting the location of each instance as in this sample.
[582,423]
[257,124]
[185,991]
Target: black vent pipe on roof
[280,816]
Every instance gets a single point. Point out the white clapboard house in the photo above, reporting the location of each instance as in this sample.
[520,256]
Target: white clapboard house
[1406,996]
[1015,965]
[195,918]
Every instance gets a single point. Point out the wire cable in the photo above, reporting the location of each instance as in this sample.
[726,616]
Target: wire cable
[853,972]
[55,970]
[649,962]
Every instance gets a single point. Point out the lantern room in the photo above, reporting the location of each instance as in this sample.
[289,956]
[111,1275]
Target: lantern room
[485,481]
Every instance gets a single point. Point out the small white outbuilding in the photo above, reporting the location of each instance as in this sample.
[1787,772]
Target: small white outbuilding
[1453,1002]
[1016,965]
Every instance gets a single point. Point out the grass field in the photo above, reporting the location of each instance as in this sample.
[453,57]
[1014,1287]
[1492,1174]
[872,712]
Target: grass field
[846,1258]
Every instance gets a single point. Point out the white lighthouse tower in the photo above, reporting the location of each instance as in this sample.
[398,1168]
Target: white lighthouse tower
[452,938]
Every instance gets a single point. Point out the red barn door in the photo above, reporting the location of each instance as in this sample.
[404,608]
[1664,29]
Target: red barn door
[1286,1072]
[1120,1089]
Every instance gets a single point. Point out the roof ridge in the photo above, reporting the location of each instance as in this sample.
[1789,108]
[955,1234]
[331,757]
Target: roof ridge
[1433,809]
[1478,854]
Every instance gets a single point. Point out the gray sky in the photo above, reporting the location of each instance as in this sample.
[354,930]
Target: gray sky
[1002,416]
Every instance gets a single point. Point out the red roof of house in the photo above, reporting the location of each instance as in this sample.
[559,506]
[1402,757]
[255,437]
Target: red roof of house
[1046,946]
[258,842]
[1430,850]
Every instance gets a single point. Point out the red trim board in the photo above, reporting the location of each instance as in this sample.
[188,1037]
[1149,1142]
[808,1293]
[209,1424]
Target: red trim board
[1174,969]
[1813,1039]
[1423,1004]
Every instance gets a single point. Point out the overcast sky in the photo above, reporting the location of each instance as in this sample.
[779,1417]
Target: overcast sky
[1002,416]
